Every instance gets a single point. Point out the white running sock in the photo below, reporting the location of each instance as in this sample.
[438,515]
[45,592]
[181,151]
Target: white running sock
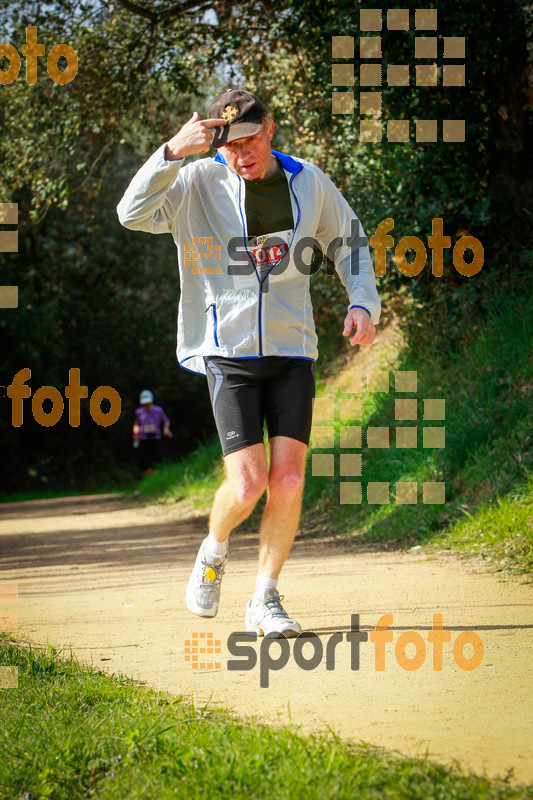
[214,548]
[262,587]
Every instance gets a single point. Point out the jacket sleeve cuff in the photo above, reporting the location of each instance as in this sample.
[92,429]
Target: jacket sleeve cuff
[159,156]
[170,160]
[364,309]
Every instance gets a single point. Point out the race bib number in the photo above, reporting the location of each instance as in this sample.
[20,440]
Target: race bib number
[268,250]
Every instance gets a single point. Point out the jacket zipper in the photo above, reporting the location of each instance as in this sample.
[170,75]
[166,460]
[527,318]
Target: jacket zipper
[260,315]
[215,320]
[245,231]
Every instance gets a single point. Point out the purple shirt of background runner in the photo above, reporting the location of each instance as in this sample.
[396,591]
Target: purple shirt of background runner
[149,422]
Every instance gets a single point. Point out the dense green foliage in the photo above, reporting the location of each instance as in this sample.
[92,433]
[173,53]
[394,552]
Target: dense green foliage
[102,299]
[484,372]
[69,732]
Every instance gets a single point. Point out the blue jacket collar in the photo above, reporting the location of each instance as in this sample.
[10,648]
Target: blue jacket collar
[288,163]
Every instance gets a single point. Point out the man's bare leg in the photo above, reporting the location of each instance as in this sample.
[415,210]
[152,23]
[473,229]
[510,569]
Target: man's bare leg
[246,480]
[283,507]
[264,612]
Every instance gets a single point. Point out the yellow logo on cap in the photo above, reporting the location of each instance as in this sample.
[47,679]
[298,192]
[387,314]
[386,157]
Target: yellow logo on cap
[230,112]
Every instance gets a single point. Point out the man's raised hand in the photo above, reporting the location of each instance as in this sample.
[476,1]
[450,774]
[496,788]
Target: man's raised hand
[193,137]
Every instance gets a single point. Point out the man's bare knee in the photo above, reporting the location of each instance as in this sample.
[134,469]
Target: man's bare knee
[287,483]
[248,488]
[246,471]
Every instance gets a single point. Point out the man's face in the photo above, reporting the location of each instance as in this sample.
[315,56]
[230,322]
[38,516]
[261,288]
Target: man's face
[251,157]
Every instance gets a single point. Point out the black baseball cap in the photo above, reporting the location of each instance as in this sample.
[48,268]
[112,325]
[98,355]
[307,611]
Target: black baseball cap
[243,112]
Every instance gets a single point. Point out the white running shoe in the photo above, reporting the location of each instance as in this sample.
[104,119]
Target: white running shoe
[268,618]
[203,589]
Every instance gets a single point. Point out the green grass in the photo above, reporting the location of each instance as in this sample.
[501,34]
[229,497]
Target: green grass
[194,477]
[71,732]
[503,529]
[487,464]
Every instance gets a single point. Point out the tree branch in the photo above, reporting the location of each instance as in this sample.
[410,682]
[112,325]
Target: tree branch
[139,10]
[180,8]
[170,14]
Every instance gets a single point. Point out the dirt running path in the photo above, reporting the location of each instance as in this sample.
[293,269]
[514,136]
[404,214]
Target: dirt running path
[109,580]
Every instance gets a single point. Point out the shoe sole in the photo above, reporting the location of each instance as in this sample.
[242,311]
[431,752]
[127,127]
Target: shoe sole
[200,612]
[288,634]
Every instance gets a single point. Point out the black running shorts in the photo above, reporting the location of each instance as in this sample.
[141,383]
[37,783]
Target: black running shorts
[247,392]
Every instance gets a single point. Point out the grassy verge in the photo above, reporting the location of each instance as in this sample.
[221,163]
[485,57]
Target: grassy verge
[502,529]
[71,732]
[195,477]
[486,465]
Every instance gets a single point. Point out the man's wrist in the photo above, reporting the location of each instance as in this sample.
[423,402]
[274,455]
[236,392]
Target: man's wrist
[363,308]
[171,155]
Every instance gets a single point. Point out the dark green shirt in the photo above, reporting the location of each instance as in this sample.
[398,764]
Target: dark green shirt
[268,204]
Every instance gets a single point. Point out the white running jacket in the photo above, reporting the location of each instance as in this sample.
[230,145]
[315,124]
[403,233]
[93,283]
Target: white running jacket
[202,204]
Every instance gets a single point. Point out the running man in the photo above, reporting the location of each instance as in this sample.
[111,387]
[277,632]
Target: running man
[245,318]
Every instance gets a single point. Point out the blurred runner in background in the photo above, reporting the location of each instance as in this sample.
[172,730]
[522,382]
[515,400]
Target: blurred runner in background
[147,431]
